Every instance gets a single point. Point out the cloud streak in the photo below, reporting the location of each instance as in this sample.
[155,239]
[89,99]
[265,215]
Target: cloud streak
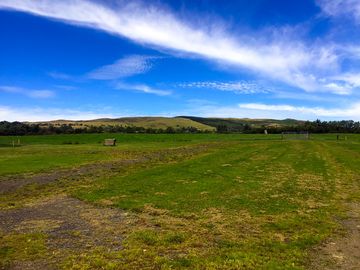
[41,114]
[352,112]
[39,94]
[269,111]
[239,87]
[338,8]
[125,67]
[142,88]
[291,62]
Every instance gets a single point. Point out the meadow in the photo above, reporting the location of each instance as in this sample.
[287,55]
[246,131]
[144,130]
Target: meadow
[178,201]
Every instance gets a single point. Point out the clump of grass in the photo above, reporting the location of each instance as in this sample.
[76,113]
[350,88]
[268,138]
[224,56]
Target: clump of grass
[96,259]
[21,247]
[174,238]
[147,237]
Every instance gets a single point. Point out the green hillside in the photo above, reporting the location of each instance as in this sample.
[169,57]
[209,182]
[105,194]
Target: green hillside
[239,123]
[203,124]
[145,122]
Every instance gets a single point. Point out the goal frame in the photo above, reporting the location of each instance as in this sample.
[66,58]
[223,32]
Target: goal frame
[295,135]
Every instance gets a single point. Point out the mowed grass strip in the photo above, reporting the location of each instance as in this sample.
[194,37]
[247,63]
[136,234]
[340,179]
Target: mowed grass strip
[48,152]
[249,205]
[239,174]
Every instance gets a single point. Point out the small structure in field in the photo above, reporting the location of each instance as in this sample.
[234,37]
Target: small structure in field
[110,142]
[341,137]
[300,135]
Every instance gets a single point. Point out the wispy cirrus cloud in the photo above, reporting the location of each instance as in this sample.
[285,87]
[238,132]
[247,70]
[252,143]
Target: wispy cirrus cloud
[122,68]
[35,114]
[33,93]
[350,112]
[337,8]
[239,87]
[60,75]
[127,66]
[303,65]
[266,111]
[142,88]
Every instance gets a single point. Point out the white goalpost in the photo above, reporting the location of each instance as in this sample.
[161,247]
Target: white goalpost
[301,135]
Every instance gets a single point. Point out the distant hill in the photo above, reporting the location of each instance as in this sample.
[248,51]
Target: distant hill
[239,123]
[145,122]
[180,124]
[201,123]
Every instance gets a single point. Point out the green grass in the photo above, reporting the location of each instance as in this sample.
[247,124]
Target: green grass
[228,178]
[288,188]
[22,247]
[41,153]
[244,202]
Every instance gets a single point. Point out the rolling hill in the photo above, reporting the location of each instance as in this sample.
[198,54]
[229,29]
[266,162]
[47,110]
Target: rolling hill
[201,123]
[146,122]
[235,123]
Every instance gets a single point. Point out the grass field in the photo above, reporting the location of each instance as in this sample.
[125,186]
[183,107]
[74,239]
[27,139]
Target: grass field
[179,201]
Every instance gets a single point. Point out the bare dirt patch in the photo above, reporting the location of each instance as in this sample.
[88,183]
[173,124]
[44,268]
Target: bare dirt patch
[71,226]
[12,183]
[342,252]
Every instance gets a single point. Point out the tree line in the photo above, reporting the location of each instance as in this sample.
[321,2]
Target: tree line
[318,126]
[19,128]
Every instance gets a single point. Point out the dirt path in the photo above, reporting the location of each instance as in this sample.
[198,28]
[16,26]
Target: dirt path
[71,226]
[342,252]
[12,183]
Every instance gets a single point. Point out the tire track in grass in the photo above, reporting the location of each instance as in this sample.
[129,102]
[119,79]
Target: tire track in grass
[342,251]
[12,183]
[184,177]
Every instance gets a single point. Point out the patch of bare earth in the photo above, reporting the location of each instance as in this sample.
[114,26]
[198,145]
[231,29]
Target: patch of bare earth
[71,226]
[342,252]
[12,183]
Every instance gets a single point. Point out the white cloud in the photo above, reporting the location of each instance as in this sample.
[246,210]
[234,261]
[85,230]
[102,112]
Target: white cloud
[268,111]
[41,94]
[340,89]
[143,89]
[291,95]
[350,112]
[288,61]
[28,92]
[352,79]
[60,76]
[337,8]
[125,67]
[42,114]
[240,87]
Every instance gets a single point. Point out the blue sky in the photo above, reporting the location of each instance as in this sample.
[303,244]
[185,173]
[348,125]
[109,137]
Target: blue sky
[86,59]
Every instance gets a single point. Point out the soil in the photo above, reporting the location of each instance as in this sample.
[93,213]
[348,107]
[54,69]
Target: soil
[342,252]
[71,226]
[12,183]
